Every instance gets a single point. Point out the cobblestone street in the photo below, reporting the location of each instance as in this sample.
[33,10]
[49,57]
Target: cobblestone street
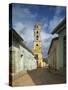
[39,76]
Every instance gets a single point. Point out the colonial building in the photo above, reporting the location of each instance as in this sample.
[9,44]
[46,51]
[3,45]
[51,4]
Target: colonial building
[21,58]
[52,54]
[37,45]
[57,50]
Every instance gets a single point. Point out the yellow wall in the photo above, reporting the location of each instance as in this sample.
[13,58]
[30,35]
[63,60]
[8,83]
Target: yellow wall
[37,49]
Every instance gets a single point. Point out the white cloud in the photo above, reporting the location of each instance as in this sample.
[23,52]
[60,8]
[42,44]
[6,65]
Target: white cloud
[27,13]
[26,31]
[28,35]
[46,40]
[23,14]
[45,25]
[57,18]
[45,35]
[54,22]
[19,26]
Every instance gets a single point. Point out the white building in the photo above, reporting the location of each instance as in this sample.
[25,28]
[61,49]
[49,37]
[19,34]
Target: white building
[21,58]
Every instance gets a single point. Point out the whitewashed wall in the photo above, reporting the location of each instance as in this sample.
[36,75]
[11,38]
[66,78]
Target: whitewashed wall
[22,59]
[29,62]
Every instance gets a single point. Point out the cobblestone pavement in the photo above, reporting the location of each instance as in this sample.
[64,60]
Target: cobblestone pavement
[39,76]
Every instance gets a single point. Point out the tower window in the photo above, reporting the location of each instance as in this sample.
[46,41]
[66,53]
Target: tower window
[37,26]
[37,36]
[37,31]
[36,44]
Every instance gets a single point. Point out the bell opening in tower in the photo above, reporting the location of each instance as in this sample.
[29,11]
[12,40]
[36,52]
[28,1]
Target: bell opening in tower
[37,31]
[36,44]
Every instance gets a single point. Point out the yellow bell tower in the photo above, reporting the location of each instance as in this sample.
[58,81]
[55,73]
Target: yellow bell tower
[37,45]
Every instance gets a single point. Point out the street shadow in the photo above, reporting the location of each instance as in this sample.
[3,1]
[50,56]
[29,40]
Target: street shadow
[36,76]
[42,76]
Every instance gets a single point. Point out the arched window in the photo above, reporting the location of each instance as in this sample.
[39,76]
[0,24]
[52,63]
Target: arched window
[37,32]
[37,37]
[37,26]
[36,44]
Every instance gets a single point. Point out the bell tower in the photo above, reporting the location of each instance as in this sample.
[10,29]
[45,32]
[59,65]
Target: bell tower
[37,45]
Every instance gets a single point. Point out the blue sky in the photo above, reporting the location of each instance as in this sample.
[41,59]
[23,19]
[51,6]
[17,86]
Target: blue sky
[25,16]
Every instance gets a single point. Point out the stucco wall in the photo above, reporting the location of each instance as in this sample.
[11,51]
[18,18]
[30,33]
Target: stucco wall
[52,57]
[60,53]
[22,59]
[57,46]
[29,62]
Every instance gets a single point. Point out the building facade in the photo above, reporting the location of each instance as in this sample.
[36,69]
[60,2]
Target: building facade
[57,50]
[52,54]
[21,58]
